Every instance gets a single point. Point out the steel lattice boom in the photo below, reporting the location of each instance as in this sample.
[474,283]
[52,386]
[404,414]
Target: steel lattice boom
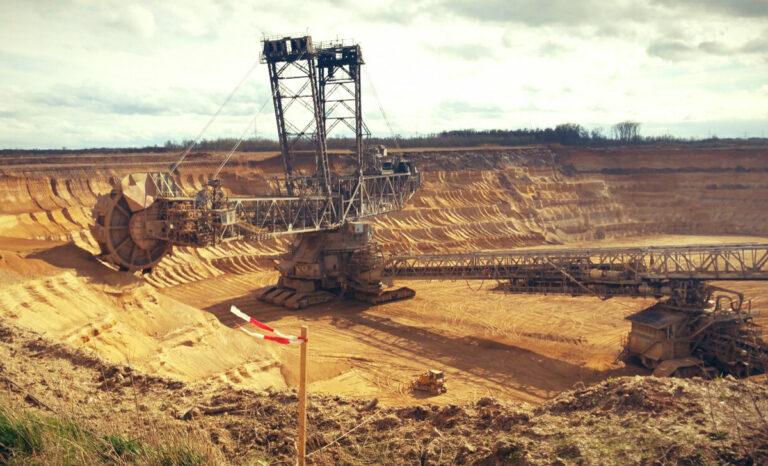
[614,265]
[603,271]
[292,68]
[695,328]
[339,66]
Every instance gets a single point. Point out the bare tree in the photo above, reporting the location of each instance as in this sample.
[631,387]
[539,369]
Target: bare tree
[597,134]
[626,131]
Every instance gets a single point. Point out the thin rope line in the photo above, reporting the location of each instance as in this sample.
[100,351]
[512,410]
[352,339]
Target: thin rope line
[251,124]
[334,441]
[215,115]
[381,108]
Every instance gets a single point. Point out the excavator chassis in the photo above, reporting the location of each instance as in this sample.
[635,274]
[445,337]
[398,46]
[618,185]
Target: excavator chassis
[323,266]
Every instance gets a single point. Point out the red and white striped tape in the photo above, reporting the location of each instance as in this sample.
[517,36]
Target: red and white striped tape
[279,337]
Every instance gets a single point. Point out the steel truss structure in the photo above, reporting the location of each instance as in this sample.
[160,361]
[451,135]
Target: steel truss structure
[353,198]
[324,81]
[605,272]
[694,329]
[313,91]
[339,67]
[184,221]
[293,79]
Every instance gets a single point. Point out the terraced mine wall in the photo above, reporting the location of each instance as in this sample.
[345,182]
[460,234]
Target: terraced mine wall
[176,322]
[470,199]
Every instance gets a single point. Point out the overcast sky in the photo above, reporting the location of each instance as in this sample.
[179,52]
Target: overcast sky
[80,73]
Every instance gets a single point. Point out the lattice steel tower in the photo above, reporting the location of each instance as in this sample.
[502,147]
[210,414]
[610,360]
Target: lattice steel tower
[339,66]
[293,78]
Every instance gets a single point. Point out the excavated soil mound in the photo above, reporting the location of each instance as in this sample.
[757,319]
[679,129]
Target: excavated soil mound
[64,294]
[628,420]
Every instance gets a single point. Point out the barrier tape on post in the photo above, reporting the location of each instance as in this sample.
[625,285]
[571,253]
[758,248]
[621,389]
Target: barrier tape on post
[279,337]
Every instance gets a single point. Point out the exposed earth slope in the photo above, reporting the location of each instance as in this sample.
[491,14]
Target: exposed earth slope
[113,414]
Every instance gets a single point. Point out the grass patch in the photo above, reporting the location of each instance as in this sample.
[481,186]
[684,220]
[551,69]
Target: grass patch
[30,438]
[19,435]
[125,449]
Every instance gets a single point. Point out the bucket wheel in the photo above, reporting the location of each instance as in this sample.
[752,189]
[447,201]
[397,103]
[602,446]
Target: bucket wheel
[122,226]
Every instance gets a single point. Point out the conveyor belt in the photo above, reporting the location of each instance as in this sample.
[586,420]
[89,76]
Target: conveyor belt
[610,266]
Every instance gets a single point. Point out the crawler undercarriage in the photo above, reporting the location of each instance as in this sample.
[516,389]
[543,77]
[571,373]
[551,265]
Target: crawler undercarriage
[326,265]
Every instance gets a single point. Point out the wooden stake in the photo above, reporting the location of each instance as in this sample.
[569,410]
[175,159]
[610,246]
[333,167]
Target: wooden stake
[302,447]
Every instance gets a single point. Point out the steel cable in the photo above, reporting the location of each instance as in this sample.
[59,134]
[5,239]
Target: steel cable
[381,108]
[196,141]
[252,123]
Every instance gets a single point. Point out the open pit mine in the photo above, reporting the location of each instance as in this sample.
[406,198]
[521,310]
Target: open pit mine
[517,274]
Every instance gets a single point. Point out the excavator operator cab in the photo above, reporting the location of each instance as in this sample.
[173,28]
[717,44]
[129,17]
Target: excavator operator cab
[405,166]
[384,163]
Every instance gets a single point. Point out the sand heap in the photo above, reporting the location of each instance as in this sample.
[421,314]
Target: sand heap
[64,294]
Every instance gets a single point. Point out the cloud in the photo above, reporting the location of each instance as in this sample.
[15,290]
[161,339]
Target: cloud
[552,49]
[530,12]
[678,50]
[454,107]
[671,50]
[94,98]
[759,45]
[743,8]
[193,20]
[99,99]
[469,52]
[531,89]
[628,19]
[77,72]
[394,12]
[735,127]
[134,19]
[714,48]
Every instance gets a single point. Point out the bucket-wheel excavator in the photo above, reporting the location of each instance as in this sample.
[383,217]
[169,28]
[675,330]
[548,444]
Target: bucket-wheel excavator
[316,88]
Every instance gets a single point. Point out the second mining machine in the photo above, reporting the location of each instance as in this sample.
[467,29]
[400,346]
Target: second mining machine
[315,88]
[695,327]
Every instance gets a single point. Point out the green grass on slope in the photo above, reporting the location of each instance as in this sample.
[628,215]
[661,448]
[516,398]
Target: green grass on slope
[27,438]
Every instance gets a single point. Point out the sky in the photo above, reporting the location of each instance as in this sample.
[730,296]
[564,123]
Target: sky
[79,73]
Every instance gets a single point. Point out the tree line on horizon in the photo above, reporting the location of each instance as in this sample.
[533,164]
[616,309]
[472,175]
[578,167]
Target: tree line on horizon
[567,134]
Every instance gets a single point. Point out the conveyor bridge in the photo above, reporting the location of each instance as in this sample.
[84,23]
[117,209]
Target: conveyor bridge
[602,271]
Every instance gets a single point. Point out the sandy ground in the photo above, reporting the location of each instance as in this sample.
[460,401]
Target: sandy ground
[516,347]
[624,420]
[176,322]
[523,347]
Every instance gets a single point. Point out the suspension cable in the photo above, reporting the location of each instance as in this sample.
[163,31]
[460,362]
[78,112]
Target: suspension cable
[196,141]
[381,107]
[251,124]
